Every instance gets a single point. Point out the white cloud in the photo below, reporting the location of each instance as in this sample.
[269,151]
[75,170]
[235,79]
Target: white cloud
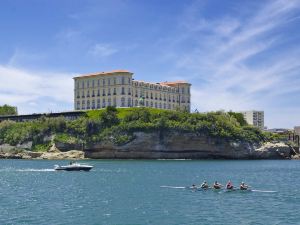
[238,58]
[35,91]
[102,50]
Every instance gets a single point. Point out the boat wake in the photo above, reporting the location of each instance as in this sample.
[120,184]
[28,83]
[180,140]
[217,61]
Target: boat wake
[35,170]
[261,191]
[174,187]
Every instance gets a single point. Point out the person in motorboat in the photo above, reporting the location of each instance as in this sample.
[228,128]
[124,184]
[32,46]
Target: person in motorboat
[243,186]
[229,185]
[204,185]
[217,185]
[194,186]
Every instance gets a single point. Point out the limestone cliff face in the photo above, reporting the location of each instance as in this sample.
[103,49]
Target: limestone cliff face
[156,145]
[184,146]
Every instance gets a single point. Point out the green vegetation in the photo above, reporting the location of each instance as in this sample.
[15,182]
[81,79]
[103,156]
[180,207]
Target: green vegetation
[118,126]
[7,110]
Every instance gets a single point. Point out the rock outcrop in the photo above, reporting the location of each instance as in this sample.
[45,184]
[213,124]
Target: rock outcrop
[185,146]
[158,145]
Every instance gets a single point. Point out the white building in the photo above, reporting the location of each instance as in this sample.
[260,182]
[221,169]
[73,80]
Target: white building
[255,118]
[118,88]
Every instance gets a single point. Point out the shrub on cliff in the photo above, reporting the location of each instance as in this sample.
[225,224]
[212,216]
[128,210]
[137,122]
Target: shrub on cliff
[118,125]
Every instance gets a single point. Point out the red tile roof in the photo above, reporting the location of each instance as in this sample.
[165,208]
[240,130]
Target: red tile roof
[103,73]
[174,83]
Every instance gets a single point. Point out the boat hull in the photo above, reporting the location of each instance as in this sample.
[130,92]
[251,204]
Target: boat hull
[75,169]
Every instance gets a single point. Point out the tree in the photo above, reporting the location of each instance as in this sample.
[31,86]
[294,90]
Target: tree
[239,117]
[7,110]
[109,117]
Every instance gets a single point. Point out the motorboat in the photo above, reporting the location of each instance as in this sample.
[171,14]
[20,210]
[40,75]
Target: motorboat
[74,166]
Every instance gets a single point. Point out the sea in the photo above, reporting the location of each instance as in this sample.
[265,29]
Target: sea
[149,192]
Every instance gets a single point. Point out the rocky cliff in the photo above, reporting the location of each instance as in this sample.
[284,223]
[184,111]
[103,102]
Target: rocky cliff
[185,146]
[157,145]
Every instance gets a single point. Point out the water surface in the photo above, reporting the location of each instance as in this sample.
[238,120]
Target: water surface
[130,192]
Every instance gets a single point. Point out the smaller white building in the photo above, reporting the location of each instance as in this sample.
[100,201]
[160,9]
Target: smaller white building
[297,130]
[255,118]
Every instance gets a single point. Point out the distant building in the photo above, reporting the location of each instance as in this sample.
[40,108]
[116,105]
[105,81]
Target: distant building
[118,88]
[255,118]
[297,130]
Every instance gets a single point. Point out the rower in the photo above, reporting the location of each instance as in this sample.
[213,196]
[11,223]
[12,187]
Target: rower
[229,185]
[204,185]
[217,185]
[243,186]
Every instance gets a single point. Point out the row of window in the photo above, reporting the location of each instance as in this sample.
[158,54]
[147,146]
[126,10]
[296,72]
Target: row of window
[109,92]
[122,80]
[160,87]
[98,93]
[102,82]
[112,102]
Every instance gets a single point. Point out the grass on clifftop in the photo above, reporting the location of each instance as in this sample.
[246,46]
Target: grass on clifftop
[118,126]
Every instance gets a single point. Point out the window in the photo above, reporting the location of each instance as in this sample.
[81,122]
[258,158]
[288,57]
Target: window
[151,95]
[115,81]
[136,93]
[103,82]
[129,102]
[103,92]
[151,104]
[93,83]
[93,95]
[115,91]
[98,82]
[83,94]
[88,83]
[108,92]
[78,105]
[147,103]
[109,102]
[123,80]
[155,104]
[160,105]
[88,94]
[115,102]
[165,106]
[82,84]
[78,94]
[98,93]
[123,91]
[136,103]
[122,102]
[103,103]
[98,104]
[129,91]
[128,80]
[93,104]
[77,84]
[108,81]
[88,104]
[83,104]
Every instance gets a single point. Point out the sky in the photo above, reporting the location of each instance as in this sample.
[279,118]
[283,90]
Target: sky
[238,55]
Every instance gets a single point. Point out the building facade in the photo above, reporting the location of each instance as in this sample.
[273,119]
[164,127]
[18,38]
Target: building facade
[255,118]
[118,88]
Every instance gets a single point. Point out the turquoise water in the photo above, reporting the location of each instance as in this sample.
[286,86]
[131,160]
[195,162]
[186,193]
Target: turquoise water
[129,192]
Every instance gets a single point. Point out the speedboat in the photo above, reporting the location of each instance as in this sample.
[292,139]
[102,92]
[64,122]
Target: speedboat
[73,166]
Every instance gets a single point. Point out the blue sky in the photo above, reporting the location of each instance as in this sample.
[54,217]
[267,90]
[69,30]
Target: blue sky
[238,55]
